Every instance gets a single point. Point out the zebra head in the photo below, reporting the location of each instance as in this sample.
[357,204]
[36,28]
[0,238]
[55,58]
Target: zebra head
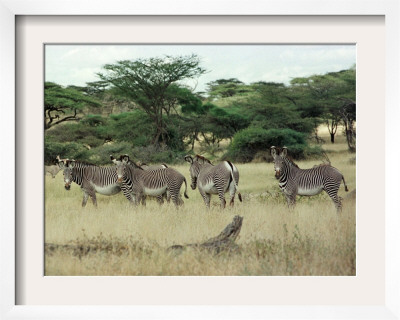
[279,160]
[67,166]
[120,166]
[194,171]
[195,167]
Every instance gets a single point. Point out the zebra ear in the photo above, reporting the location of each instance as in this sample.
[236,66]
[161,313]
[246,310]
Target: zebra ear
[284,152]
[71,164]
[189,159]
[273,152]
[125,158]
[113,159]
[61,164]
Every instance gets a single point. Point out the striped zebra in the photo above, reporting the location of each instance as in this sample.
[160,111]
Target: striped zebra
[90,178]
[306,182]
[214,179]
[139,183]
[142,166]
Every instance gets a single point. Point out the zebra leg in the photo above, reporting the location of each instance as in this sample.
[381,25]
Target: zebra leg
[92,195]
[127,195]
[337,201]
[160,199]
[232,192]
[94,199]
[175,199]
[221,196]
[291,201]
[85,198]
[206,198]
[143,200]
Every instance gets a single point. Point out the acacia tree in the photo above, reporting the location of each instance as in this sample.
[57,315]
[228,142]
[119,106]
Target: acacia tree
[148,83]
[334,95]
[223,88]
[64,104]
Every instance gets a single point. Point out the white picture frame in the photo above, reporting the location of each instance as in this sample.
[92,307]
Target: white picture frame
[10,9]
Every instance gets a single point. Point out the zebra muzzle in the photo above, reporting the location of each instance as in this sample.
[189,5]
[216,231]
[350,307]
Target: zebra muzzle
[119,180]
[67,186]
[277,174]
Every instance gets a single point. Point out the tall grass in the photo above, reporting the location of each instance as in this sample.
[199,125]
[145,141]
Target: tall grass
[310,240]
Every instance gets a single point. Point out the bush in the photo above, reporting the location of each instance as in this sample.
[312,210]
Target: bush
[155,155]
[134,127]
[69,150]
[248,142]
[80,132]
[101,154]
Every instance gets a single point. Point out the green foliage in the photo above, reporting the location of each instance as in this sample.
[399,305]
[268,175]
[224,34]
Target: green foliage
[77,133]
[151,84]
[148,113]
[134,127]
[93,120]
[223,88]
[69,150]
[64,104]
[246,143]
[101,154]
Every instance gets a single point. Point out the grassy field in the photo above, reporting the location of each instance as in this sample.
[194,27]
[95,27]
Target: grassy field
[311,240]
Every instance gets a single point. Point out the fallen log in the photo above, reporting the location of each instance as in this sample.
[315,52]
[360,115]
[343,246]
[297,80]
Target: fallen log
[225,241]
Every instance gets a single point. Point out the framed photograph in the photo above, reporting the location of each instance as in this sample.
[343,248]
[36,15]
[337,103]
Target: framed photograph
[36,39]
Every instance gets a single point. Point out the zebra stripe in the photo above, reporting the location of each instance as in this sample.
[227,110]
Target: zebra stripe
[306,182]
[211,179]
[90,178]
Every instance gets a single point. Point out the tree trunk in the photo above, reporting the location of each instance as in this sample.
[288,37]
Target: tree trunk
[332,138]
[225,241]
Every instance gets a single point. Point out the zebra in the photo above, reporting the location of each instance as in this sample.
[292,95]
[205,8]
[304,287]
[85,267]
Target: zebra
[139,183]
[143,166]
[214,179]
[53,170]
[90,178]
[306,182]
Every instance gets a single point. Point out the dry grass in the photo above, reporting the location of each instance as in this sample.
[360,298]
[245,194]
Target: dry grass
[311,240]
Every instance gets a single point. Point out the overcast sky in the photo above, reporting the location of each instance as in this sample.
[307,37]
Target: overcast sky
[78,64]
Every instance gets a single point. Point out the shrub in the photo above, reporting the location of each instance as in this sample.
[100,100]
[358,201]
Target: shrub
[101,154]
[80,132]
[248,142]
[69,150]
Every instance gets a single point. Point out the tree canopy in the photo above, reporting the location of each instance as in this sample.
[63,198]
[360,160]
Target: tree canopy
[64,104]
[143,107]
[149,83]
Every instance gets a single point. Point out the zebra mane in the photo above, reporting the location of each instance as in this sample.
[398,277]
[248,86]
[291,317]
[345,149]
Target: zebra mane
[86,163]
[292,162]
[202,158]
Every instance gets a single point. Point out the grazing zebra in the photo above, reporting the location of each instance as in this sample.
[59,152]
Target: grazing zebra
[139,183]
[53,170]
[214,179]
[90,178]
[306,182]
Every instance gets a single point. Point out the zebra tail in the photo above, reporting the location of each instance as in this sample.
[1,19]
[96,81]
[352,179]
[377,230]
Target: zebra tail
[236,185]
[345,186]
[185,194]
